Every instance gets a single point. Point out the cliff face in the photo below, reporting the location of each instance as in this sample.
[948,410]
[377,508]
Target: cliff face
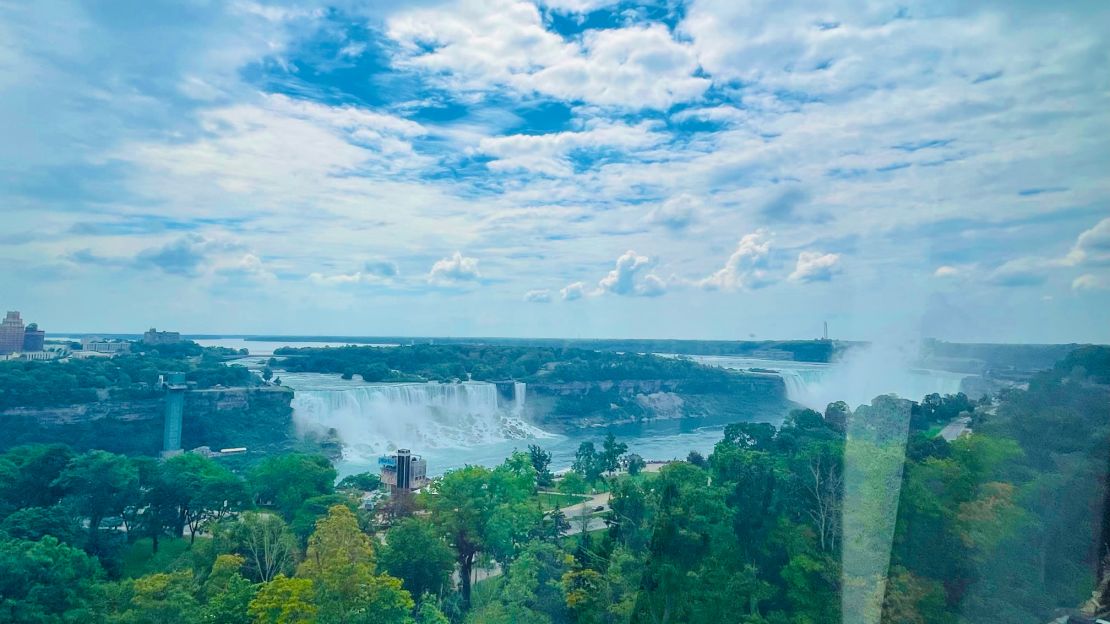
[567,405]
[257,418]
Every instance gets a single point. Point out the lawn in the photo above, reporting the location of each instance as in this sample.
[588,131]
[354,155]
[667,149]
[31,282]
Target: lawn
[548,500]
[173,553]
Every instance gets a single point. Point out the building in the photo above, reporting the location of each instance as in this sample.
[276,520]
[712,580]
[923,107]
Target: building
[33,339]
[403,471]
[11,333]
[155,337]
[98,345]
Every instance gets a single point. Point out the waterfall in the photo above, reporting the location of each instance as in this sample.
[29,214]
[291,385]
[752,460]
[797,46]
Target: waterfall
[375,419]
[860,377]
[519,390]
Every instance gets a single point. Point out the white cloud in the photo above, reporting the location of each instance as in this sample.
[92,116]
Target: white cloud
[1090,281]
[370,275]
[1093,246]
[479,45]
[631,277]
[1021,272]
[454,270]
[946,271]
[814,266]
[247,266]
[538,296]
[745,268]
[578,6]
[282,147]
[573,291]
[550,153]
[677,213]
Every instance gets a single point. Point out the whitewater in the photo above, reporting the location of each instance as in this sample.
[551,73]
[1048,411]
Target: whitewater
[456,424]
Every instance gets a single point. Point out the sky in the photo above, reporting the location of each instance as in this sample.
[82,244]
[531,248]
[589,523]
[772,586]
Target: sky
[717,169]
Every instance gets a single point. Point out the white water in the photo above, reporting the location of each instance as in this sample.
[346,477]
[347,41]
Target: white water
[372,419]
[862,375]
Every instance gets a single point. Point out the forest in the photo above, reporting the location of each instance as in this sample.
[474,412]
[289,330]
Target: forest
[826,517]
[133,376]
[487,363]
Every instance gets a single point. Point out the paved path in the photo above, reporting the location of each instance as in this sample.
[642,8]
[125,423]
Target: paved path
[588,505]
[956,428]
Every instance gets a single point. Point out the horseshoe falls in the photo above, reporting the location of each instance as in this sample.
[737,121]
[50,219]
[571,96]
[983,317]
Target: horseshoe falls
[855,380]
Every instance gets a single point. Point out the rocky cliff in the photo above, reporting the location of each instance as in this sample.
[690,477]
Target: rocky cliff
[566,405]
[256,418]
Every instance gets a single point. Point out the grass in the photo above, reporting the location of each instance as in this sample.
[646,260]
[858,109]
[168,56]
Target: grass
[485,591]
[934,431]
[548,500]
[139,560]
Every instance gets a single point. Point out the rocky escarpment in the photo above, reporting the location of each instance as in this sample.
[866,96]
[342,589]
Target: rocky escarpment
[257,418]
[567,405]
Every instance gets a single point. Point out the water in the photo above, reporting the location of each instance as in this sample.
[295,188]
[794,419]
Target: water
[453,425]
[859,377]
[261,348]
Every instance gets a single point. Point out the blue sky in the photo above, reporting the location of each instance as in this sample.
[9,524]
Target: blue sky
[702,169]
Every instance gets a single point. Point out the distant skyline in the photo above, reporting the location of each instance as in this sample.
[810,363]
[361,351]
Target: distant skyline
[710,169]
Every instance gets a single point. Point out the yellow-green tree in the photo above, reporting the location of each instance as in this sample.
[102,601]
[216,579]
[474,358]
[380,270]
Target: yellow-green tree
[340,563]
[284,601]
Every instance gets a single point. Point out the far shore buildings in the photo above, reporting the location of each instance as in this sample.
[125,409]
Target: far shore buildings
[155,337]
[95,344]
[15,338]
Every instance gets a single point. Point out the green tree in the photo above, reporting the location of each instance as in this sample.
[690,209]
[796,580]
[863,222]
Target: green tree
[541,461]
[264,541]
[634,464]
[37,468]
[429,613]
[572,483]
[415,552]
[195,490]
[588,463]
[611,453]
[340,562]
[33,523]
[284,601]
[46,581]
[99,484]
[288,480]
[227,593]
[476,508]
[163,597]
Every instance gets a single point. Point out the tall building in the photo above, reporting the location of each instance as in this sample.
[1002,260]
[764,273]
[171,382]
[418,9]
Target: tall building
[11,334]
[404,471]
[153,336]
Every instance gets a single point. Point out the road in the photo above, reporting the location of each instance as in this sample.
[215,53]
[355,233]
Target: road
[956,428]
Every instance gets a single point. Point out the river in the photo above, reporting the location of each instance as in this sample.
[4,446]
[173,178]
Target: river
[453,425]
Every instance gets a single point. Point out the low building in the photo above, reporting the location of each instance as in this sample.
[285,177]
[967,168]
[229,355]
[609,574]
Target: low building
[40,355]
[155,337]
[403,471]
[97,345]
[33,339]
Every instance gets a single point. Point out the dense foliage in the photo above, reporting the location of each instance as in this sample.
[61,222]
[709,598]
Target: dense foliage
[50,384]
[489,363]
[841,516]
